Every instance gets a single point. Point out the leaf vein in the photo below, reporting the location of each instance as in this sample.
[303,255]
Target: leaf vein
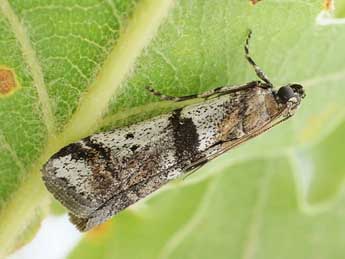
[5,145]
[193,222]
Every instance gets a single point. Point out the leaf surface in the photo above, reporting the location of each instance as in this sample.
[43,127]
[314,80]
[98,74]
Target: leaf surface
[82,67]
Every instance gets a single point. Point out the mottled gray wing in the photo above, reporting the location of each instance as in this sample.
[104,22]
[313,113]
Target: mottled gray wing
[86,174]
[102,174]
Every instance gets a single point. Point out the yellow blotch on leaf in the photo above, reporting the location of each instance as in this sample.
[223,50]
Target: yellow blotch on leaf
[328,5]
[99,231]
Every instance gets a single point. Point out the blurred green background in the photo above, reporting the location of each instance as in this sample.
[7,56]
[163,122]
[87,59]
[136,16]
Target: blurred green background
[81,67]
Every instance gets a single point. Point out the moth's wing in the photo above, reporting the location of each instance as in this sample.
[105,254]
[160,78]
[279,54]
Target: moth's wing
[222,147]
[100,175]
[85,175]
[119,202]
[138,191]
[194,167]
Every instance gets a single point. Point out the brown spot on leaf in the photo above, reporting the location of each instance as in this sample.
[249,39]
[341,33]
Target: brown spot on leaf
[8,82]
[254,1]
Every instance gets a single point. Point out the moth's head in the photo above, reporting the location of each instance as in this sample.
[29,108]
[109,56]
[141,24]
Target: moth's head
[291,96]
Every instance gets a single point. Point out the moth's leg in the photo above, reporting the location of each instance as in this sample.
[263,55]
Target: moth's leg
[210,93]
[257,69]
[229,89]
[164,97]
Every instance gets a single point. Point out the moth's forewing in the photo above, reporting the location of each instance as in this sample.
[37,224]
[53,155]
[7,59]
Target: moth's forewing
[101,175]
[86,174]
[119,202]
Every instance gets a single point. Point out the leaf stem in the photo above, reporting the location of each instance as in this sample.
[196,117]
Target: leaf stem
[21,210]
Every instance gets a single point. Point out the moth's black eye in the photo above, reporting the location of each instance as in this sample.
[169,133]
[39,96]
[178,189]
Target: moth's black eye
[285,93]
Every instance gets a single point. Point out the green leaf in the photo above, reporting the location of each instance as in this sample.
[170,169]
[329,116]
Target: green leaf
[82,67]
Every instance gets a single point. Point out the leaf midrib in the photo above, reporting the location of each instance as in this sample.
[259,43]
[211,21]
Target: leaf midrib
[149,15]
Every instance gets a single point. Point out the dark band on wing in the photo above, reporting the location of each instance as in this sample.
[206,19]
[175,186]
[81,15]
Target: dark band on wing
[186,138]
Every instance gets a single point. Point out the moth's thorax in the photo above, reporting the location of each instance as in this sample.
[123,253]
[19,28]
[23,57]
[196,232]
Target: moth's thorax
[254,109]
[261,108]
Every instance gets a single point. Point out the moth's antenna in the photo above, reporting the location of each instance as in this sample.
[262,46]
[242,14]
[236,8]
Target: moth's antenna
[257,69]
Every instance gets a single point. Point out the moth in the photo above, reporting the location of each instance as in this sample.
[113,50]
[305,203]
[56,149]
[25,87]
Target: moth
[100,175]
